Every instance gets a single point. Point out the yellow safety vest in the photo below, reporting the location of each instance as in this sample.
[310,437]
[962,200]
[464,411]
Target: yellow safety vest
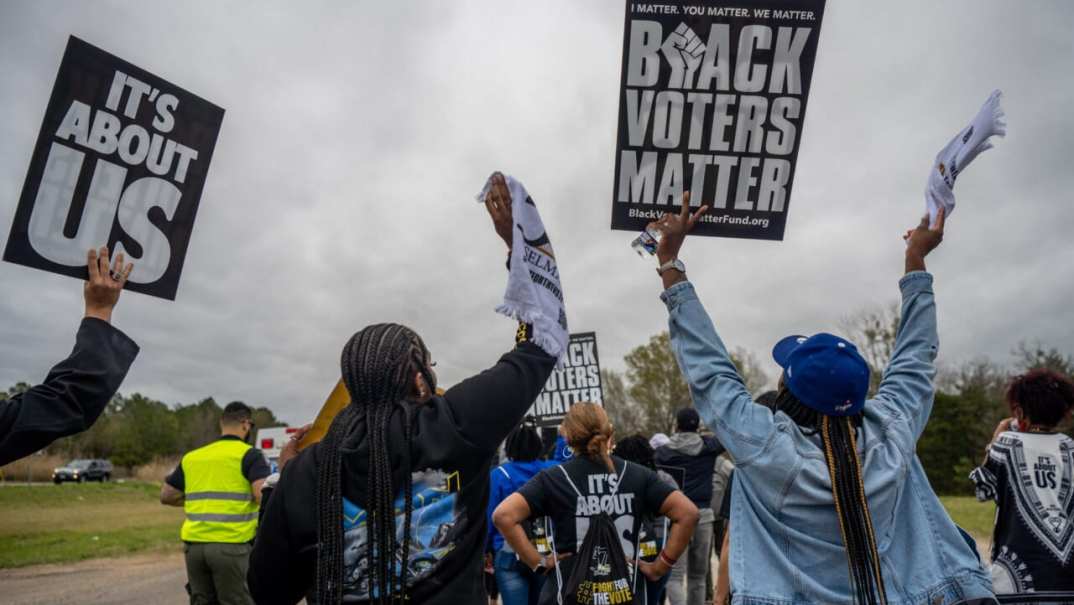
[219,505]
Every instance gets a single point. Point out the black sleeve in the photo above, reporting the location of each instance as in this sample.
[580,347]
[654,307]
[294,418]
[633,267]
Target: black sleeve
[254,465]
[177,479]
[725,506]
[535,491]
[715,445]
[73,395]
[654,493]
[278,572]
[486,407]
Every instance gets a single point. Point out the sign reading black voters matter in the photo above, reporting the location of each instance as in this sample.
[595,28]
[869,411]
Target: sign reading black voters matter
[121,160]
[712,101]
[578,380]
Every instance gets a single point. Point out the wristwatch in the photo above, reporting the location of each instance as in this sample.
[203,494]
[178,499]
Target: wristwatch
[672,264]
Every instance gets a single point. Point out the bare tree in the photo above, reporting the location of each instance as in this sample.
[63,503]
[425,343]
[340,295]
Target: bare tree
[1028,357]
[753,375]
[623,412]
[873,330]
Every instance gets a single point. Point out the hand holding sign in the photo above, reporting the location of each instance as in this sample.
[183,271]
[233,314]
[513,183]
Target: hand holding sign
[105,283]
[498,204]
[675,227]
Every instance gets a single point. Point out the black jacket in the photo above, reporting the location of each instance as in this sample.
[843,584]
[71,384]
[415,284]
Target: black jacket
[73,395]
[455,438]
[691,459]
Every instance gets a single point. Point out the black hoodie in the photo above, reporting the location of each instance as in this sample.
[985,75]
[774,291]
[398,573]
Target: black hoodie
[455,438]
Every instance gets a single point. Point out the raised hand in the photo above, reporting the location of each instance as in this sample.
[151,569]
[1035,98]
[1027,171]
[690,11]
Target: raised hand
[922,240]
[290,449]
[102,289]
[683,51]
[675,227]
[498,204]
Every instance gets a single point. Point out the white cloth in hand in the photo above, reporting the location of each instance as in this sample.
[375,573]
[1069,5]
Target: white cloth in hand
[534,294]
[953,159]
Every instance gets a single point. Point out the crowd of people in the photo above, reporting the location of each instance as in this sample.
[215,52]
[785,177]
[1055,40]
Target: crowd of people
[811,494]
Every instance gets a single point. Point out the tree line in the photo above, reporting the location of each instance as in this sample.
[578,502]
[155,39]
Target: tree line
[134,430]
[969,396]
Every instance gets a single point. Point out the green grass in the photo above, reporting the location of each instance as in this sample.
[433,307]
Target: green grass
[973,516]
[71,522]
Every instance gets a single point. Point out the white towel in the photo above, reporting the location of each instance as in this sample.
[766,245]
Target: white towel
[534,294]
[953,159]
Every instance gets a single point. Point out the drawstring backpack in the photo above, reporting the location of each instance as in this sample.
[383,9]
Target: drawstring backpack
[601,574]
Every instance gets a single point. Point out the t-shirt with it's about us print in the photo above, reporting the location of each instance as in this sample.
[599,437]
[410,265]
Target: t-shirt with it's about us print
[629,496]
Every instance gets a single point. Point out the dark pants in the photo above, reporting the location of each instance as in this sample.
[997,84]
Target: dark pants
[217,573]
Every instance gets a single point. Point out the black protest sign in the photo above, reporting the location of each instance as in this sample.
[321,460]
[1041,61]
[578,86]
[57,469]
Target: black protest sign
[712,101]
[121,160]
[578,380]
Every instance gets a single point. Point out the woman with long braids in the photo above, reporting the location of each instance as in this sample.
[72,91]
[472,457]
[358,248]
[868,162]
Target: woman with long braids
[390,506]
[830,502]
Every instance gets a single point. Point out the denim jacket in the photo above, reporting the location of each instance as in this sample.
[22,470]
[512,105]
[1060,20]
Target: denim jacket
[785,542]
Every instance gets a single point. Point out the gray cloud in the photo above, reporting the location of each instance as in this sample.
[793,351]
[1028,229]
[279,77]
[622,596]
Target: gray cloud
[356,133]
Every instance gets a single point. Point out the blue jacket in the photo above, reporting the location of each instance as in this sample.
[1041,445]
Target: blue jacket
[785,543]
[505,480]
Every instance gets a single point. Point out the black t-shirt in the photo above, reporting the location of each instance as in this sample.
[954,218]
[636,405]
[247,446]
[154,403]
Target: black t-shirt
[455,438]
[254,467]
[631,496]
[1030,475]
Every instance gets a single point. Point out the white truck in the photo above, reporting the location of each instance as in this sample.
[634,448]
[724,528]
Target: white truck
[271,440]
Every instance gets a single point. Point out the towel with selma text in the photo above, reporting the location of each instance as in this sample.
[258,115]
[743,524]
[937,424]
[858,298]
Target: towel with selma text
[953,159]
[534,294]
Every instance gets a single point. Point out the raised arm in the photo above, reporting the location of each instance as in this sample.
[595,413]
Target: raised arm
[906,390]
[487,406]
[78,388]
[719,394]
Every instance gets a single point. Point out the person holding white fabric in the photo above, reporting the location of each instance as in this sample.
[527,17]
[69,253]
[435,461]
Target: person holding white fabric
[830,502]
[401,456]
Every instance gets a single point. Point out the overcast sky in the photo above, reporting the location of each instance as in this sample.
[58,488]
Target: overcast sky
[356,134]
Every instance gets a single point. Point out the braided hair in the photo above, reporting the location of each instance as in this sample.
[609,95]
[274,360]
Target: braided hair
[378,366]
[837,434]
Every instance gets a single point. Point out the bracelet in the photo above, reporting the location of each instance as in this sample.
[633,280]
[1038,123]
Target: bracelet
[666,559]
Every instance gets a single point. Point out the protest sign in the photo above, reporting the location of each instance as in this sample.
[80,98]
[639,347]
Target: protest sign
[712,100]
[577,380]
[121,160]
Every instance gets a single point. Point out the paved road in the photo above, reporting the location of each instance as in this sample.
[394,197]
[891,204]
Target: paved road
[149,578]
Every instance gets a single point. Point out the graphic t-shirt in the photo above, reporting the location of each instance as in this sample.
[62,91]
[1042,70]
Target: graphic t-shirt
[630,496]
[1031,478]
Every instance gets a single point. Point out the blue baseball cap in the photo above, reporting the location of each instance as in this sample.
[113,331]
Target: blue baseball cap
[825,372]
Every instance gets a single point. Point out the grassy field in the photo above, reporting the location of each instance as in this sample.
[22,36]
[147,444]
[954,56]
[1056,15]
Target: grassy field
[974,517]
[75,521]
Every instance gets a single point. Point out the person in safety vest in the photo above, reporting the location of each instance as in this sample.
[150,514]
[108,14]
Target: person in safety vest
[219,488]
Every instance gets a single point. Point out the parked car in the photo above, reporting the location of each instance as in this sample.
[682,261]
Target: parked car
[83,470]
